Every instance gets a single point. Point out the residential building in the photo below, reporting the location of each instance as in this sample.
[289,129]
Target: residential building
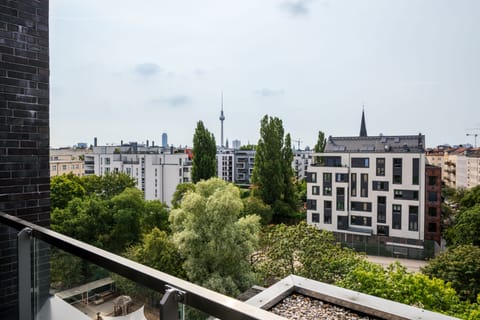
[301,160]
[433,203]
[370,191]
[156,171]
[243,164]
[225,164]
[68,160]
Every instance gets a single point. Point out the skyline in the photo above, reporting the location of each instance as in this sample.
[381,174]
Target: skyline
[134,71]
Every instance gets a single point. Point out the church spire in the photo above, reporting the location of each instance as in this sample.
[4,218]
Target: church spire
[363,127]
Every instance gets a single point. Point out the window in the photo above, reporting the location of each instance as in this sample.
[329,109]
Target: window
[107,170]
[311,177]
[315,218]
[315,190]
[360,162]
[64,167]
[156,182]
[327,177]
[311,204]
[361,206]
[432,180]
[327,212]
[128,170]
[432,196]
[397,194]
[115,170]
[432,227]
[156,171]
[361,221]
[341,199]
[382,209]
[405,194]
[180,171]
[54,167]
[432,211]
[342,222]
[353,185]
[380,185]
[397,171]
[327,191]
[380,167]
[382,230]
[413,218]
[397,216]
[364,185]
[331,161]
[107,161]
[341,177]
[415,171]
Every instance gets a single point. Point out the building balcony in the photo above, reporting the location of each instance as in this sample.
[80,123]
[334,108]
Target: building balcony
[36,300]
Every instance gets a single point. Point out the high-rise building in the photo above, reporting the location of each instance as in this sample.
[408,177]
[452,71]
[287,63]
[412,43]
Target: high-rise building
[164,140]
[370,191]
[236,144]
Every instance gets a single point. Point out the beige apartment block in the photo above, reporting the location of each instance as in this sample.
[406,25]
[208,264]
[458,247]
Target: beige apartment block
[67,160]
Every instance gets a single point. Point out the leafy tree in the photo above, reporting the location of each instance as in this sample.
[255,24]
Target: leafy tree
[64,188]
[288,187]
[254,205]
[461,267]
[320,145]
[155,216]
[465,229]
[215,242]
[305,251]
[107,186]
[248,147]
[396,283]
[204,164]
[270,175]
[180,192]
[471,198]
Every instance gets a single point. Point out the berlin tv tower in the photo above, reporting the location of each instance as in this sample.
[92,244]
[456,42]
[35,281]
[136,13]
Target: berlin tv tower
[222,117]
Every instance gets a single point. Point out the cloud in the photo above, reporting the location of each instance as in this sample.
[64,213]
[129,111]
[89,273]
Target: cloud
[147,69]
[175,101]
[296,7]
[266,92]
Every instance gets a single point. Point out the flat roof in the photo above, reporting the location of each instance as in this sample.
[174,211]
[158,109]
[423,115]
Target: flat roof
[69,293]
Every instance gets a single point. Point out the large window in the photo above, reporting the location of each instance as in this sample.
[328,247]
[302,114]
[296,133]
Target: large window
[341,199]
[432,211]
[397,216]
[382,209]
[432,196]
[353,185]
[341,177]
[327,212]
[361,221]
[432,180]
[380,185]
[360,162]
[413,218]
[380,167]
[415,171]
[397,171]
[315,217]
[364,185]
[361,206]
[311,204]
[311,177]
[315,190]
[342,222]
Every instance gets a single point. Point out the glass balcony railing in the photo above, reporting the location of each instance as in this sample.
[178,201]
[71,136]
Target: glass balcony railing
[60,277]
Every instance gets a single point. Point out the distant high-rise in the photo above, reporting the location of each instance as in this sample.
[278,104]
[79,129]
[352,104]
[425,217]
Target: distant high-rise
[164,140]
[222,117]
[236,144]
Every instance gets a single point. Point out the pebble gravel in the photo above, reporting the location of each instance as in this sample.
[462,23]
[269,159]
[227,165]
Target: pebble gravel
[301,307]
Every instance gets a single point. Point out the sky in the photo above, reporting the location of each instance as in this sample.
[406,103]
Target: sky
[132,70]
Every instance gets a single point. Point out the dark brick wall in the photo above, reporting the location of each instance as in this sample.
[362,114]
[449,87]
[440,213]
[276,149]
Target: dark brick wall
[24,127]
[436,206]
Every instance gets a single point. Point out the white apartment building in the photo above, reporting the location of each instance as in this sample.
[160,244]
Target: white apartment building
[157,172]
[370,187]
[468,171]
[225,164]
[301,160]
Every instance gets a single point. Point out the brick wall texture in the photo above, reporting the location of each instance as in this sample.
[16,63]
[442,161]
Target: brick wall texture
[24,127]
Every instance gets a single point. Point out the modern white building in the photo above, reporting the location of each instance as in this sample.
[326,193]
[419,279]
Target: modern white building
[301,160]
[157,171]
[370,190]
[225,164]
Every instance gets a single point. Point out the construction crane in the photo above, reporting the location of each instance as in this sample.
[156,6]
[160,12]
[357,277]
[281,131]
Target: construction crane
[298,141]
[475,135]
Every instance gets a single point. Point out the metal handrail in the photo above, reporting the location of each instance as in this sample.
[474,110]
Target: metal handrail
[208,301]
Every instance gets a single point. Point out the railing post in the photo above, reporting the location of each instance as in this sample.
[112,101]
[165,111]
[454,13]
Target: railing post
[169,303]
[24,274]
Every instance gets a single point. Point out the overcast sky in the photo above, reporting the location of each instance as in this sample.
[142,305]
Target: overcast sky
[131,70]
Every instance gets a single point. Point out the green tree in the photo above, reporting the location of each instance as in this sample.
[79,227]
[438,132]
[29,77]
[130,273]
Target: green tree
[64,188]
[305,251]
[180,192]
[461,267]
[465,229]
[320,145]
[107,186]
[254,205]
[204,164]
[288,186]
[215,242]
[155,216]
[268,169]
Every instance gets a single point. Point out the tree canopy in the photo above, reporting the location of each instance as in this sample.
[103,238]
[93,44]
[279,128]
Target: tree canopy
[215,242]
[204,164]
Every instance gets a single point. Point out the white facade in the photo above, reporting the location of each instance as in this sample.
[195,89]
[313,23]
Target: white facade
[156,174]
[301,161]
[468,171]
[361,211]
[225,164]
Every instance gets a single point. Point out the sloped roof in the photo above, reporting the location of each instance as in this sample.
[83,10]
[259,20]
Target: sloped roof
[404,144]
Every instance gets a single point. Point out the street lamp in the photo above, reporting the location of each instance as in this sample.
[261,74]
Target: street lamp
[475,135]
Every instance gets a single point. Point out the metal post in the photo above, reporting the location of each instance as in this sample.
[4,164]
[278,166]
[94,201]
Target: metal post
[169,303]
[24,274]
